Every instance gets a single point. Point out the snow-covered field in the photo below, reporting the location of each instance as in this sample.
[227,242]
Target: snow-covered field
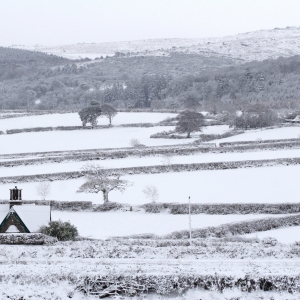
[264,134]
[248,185]
[254,185]
[146,161]
[72,119]
[83,139]
[102,225]
[283,235]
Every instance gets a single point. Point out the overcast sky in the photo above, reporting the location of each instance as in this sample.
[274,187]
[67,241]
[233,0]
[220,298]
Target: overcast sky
[56,22]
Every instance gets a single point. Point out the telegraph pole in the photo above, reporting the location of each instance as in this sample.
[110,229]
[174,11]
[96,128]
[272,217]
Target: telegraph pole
[190,221]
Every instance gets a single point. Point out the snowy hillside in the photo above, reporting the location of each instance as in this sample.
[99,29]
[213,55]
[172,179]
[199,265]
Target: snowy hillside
[257,45]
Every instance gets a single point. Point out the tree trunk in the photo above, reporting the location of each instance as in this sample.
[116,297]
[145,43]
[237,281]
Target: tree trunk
[188,135]
[109,117]
[105,196]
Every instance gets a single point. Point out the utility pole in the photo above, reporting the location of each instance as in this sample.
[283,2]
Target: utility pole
[190,221]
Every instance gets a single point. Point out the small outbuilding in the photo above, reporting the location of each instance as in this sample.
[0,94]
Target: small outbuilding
[17,217]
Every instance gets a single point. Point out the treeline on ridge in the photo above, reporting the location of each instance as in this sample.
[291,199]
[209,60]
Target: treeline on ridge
[177,81]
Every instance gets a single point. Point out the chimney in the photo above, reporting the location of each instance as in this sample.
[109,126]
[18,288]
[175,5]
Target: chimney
[15,197]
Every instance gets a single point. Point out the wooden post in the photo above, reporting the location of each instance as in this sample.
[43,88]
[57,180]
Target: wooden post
[190,221]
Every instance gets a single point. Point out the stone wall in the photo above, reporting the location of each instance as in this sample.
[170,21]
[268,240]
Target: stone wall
[157,169]
[237,143]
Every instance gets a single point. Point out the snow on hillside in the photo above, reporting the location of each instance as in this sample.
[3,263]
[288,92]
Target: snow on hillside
[257,45]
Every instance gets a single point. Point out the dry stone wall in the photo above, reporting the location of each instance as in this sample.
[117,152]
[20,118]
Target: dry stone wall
[223,208]
[239,228]
[102,154]
[157,169]
[237,143]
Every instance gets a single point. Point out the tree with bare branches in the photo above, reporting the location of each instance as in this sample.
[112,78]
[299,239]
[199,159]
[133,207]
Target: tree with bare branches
[98,181]
[151,192]
[43,189]
[167,159]
[136,143]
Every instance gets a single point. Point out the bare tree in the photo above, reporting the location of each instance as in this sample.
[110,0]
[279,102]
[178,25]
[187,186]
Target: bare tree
[167,159]
[136,143]
[109,112]
[151,192]
[98,181]
[43,189]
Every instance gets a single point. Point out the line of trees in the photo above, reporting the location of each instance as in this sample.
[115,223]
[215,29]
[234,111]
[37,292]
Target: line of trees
[180,81]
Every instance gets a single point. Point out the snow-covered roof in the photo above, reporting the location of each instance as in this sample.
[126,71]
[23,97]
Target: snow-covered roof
[33,216]
[4,209]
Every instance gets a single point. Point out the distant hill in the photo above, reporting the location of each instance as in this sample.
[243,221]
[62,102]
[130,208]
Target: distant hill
[244,47]
[15,63]
[212,74]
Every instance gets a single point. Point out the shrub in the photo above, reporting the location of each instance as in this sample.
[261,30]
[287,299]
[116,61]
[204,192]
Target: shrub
[63,231]
[109,206]
[136,143]
[211,137]
[269,241]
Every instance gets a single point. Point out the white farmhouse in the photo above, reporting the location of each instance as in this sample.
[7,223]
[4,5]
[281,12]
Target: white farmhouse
[17,217]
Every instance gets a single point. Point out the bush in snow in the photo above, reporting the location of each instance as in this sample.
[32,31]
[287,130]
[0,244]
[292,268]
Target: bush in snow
[136,143]
[210,137]
[63,231]
[26,239]
[108,206]
[269,241]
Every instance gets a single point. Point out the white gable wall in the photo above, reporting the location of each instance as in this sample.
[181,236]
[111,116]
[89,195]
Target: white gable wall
[12,229]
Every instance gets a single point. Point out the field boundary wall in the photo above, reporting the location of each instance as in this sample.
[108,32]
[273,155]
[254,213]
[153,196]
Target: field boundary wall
[238,228]
[237,143]
[102,154]
[157,169]
[223,208]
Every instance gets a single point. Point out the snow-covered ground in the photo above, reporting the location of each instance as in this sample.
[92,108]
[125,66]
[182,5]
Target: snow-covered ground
[254,185]
[264,134]
[83,139]
[72,119]
[105,224]
[146,161]
[283,235]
